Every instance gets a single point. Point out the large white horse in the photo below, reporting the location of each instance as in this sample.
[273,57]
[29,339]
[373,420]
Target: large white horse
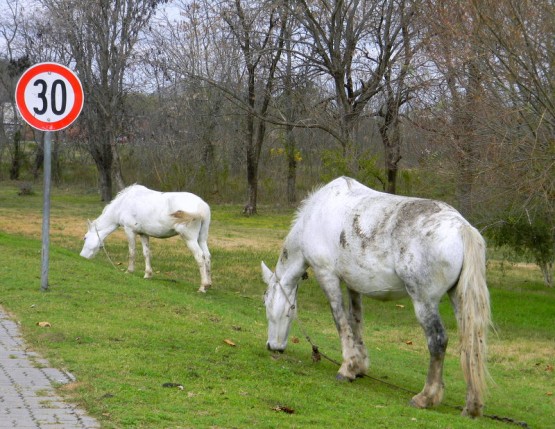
[387,247]
[143,212]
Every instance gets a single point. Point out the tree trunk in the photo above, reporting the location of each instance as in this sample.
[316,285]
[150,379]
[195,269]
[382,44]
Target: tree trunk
[467,140]
[116,165]
[17,157]
[291,167]
[39,157]
[101,152]
[252,186]
[391,140]
[252,160]
[104,182]
[290,147]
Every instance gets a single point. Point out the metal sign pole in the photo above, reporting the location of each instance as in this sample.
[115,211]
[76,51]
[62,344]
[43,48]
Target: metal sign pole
[49,97]
[46,211]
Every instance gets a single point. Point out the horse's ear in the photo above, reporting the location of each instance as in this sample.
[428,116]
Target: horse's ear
[266,273]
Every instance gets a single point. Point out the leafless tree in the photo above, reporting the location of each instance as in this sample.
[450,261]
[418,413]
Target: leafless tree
[359,45]
[12,64]
[101,36]
[259,29]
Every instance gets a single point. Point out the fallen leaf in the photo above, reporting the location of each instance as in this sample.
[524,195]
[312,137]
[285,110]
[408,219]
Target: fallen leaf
[399,306]
[229,343]
[549,393]
[44,324]
[295,340]
[549,368]
[284,409]
[316,356]
[177,385]
[408,343]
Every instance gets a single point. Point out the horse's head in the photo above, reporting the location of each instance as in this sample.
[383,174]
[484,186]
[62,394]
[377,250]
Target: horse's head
[281,304]
[93,243]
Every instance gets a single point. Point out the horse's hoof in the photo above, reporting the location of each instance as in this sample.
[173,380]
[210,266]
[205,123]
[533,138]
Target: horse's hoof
[341,377]
[204,288]
[413,404]
[471,413]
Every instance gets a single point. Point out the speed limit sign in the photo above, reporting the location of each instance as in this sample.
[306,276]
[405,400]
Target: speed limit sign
[49,96]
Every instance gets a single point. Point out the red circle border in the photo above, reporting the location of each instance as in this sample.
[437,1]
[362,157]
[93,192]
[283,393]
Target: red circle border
[73,80]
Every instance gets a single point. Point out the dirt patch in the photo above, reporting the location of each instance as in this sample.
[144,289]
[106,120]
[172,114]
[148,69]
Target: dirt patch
[62,228]
[523,265]
[530,354]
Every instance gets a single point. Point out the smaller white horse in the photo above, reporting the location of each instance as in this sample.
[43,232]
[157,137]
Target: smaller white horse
[147,213]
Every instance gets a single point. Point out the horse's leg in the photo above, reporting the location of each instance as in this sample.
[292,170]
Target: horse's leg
[427,314]
[355,320]
[203,264]
[132,249]
[146,254]
[207,262]
[353,365]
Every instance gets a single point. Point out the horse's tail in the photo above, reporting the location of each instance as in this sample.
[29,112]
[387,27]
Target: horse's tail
[474,319]
[205,223]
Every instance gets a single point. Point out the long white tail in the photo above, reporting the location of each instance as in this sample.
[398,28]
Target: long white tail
[474,319]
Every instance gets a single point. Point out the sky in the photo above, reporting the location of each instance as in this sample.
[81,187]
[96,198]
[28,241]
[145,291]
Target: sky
[170,9]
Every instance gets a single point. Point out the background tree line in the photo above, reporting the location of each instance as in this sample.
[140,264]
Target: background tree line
[245,100]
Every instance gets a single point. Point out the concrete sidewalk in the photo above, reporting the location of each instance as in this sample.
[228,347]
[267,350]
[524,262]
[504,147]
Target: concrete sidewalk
[27,396]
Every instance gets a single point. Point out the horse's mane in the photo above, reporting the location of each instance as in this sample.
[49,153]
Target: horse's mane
[120,195]
[305,202]
[311,195]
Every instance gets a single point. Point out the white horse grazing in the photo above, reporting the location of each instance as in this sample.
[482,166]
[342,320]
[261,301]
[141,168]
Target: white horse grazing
[387,246]
[143,212]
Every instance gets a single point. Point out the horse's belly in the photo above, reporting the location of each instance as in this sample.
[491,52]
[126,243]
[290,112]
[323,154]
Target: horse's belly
[376,284]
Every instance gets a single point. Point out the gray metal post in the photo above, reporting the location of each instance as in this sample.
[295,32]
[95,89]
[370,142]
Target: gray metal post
[46,211]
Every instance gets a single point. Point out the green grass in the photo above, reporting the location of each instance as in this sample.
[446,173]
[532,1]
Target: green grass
[124,337]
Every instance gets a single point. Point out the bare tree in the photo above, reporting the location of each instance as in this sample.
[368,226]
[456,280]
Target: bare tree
[450,33]
[102,35]
[259,30]
[397,91]
[518,37]
[359,44]
[12,64]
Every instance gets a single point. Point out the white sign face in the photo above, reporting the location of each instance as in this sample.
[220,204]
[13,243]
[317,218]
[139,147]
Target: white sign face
[49,96]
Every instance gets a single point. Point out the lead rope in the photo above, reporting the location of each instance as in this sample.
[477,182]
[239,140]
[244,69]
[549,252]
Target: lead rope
[104,248]
[317,356]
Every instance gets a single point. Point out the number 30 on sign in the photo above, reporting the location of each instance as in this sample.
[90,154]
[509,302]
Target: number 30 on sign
[49,96]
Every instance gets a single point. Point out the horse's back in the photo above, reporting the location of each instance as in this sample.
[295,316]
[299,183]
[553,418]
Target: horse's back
[380,243]
[158,213]
[136,196]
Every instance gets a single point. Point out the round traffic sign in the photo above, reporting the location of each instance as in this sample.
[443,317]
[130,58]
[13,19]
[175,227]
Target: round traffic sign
[49,96]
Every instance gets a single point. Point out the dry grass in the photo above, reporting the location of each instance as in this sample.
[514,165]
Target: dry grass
[524,354]
[72,227]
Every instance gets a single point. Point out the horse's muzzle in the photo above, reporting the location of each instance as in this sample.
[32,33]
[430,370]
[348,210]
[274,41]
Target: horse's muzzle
[274,348]
[87,254]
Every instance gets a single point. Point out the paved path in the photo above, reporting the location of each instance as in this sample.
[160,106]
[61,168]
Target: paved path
[27,397]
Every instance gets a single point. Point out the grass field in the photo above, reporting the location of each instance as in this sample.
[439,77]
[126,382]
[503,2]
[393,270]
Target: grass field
[126,339]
